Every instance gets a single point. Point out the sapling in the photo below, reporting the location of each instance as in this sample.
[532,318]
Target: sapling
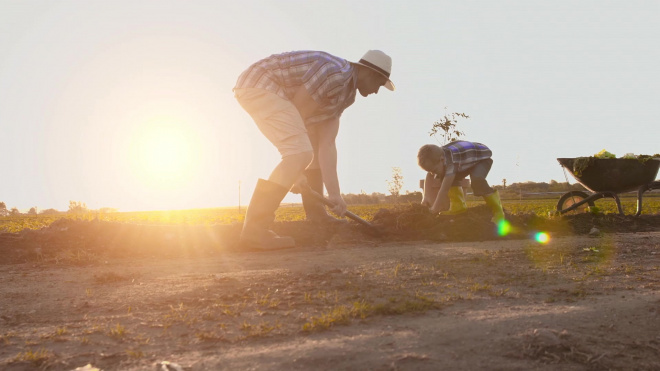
[446,127]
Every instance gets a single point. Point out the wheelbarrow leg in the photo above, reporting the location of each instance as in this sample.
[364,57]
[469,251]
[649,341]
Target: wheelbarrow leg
[617,200]
[641,190]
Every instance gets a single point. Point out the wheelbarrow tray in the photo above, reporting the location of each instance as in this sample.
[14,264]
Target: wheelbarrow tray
[615,175]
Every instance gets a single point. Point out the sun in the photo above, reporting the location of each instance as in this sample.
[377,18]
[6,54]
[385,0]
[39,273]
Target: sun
[163,156]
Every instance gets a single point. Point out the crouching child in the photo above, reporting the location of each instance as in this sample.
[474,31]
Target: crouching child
[447,166]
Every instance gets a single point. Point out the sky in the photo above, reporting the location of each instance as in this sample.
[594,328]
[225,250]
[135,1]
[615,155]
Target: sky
[128,104]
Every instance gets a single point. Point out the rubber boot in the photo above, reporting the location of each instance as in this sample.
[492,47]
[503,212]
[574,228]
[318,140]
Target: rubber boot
[493,201]
[315,209]
[457,203]
[260,215]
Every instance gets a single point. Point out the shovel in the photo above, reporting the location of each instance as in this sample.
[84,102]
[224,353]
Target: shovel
[348,214]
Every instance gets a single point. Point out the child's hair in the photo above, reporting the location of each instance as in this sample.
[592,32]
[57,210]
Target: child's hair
[429,154]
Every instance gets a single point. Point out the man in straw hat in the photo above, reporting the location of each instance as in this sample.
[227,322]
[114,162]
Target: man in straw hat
[296,100]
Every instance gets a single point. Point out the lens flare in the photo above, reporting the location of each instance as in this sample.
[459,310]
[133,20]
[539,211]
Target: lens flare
[542,237]
[503,227]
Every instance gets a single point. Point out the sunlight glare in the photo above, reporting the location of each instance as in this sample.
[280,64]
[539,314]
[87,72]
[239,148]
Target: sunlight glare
[503,228]
[164,155]
[542,237]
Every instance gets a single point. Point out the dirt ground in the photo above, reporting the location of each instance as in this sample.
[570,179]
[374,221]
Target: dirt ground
[429,293]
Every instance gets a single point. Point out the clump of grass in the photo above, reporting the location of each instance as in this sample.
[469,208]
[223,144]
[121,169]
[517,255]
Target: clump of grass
[228,311]
[209,337]
[480,287]
[262,329]
[95,329]
[137,354]
[142,339]
[339,315]
[266,301]
[396,270]
[118,332]
[179,314]
[336,316]
[596,271]
[58,334]
[5,339]
[37,358]
[246,326]
[498,293]
[628,269]
[451,297]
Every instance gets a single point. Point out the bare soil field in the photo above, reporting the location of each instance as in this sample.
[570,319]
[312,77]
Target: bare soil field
[429,293]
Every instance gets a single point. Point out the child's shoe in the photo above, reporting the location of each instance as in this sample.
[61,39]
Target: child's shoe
[457,201]
[493,201]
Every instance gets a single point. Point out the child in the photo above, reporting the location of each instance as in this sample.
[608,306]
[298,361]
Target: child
[447,166]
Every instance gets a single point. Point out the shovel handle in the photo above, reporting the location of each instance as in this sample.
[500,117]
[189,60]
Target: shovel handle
[327,202]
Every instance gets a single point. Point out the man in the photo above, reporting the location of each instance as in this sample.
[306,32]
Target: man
[447,166]
[296,100]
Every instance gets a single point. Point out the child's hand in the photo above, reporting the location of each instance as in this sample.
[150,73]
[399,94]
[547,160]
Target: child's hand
[441,204]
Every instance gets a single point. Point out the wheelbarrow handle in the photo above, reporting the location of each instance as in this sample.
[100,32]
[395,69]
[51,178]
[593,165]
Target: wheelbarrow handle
[327,202]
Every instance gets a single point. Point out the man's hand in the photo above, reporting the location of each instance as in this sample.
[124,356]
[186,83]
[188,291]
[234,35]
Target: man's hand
[340,205]
[300,185]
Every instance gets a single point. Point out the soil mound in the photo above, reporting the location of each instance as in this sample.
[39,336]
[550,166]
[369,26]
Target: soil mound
[84,241]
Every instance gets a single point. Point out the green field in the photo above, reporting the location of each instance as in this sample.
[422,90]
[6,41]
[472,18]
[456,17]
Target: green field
[294,212]
[544,206]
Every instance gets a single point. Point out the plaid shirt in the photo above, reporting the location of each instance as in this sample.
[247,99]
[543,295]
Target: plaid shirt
[462,155]
[331,81]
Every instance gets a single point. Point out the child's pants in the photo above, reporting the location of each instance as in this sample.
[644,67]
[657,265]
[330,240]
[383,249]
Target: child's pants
[477,174]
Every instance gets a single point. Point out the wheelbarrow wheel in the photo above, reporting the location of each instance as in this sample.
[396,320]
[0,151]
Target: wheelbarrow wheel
[571,198]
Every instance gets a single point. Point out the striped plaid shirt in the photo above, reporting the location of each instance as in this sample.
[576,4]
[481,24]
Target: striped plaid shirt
[331,81]
[462,155]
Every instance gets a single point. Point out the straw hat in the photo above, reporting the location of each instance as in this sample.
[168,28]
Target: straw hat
[379,62]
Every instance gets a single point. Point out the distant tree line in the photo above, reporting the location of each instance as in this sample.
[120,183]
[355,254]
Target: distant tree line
[534,189]
[75,207]
[381,198]
[5,212]
[513,190]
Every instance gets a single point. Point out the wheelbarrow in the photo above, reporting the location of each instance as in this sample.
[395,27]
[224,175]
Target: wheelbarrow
[608,178]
